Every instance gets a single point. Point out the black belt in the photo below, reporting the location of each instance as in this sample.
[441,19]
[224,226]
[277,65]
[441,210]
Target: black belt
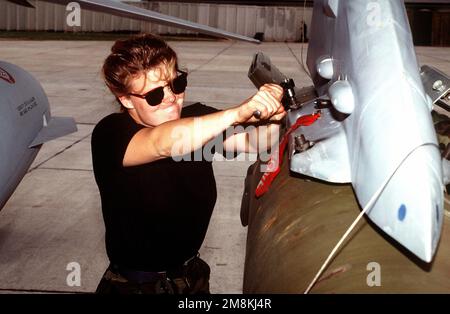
[140,277]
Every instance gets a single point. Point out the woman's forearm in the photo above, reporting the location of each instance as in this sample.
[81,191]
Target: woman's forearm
[179,137]
[182,136]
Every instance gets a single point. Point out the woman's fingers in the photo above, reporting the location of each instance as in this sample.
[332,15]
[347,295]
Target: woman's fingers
[263,105]
[274,89]
[278,116]
[270,95]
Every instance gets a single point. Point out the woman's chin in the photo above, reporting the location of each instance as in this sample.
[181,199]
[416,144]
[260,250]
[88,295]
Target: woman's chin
[172,116]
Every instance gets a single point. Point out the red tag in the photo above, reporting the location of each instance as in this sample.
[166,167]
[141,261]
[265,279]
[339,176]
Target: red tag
[268,177]
[4,75]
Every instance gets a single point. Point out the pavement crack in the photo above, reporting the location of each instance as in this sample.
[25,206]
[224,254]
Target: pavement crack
[299,61]
[66,169]
[211,59]
[58,153]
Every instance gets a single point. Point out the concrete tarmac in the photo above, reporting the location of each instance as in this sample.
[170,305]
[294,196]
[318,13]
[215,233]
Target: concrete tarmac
[53,221]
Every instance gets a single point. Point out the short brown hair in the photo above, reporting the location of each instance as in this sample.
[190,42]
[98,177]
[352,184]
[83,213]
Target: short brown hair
[132,57]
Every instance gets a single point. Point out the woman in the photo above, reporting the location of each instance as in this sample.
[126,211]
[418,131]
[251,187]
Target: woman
[157,206]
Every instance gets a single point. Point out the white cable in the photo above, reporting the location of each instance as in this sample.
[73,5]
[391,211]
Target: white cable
[369,205]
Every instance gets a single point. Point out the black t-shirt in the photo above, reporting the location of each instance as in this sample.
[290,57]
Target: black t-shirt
[156,215]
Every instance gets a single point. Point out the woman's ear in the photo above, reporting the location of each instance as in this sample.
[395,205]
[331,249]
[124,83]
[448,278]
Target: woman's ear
[126,102]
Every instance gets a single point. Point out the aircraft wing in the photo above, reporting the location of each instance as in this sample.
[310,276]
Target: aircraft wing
[56,127]
[125,10]
[24,3]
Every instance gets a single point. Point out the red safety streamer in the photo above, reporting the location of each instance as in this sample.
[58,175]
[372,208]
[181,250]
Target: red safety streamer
[269,176]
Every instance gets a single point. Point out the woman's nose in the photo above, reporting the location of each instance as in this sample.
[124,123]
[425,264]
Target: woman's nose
[169,95]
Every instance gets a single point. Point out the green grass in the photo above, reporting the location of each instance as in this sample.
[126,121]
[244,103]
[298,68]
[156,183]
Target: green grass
[108,36]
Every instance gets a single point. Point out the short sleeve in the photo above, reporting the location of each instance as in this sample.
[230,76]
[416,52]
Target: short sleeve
[197,110]
[109,143]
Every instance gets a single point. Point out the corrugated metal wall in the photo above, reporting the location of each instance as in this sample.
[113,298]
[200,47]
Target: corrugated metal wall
[441,28]
[430,27]
[277,23]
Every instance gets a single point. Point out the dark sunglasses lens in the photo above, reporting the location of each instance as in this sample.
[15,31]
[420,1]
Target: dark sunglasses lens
[155,96]
[179,84]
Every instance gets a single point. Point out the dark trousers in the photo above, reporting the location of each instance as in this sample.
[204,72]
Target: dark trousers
[191,278]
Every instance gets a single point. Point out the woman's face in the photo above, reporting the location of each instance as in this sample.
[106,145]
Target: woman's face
[150,116]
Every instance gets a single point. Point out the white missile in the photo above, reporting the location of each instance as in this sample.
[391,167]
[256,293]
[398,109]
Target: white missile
[378,132]
[25,124]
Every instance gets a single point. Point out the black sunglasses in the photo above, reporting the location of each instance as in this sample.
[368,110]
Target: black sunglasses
[155,96]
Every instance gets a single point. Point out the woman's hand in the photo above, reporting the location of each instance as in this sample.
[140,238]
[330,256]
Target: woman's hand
[267,101]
